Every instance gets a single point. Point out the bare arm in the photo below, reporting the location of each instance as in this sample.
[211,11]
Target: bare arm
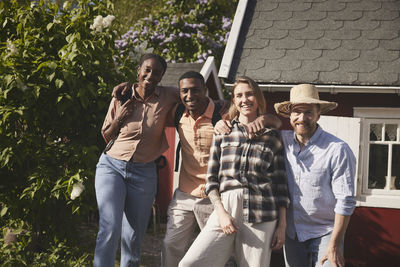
[334,253]
[266,120]
[226,222]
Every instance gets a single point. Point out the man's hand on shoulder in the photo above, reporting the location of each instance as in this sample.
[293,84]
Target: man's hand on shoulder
[271,121]
[120,90]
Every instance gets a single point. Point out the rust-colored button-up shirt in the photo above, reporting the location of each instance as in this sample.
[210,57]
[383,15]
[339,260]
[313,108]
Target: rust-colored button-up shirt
[142,137]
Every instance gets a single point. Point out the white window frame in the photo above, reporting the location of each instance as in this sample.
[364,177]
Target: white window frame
[384,198]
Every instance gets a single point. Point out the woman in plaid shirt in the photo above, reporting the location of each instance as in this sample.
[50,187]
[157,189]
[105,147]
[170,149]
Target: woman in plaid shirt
[246,182]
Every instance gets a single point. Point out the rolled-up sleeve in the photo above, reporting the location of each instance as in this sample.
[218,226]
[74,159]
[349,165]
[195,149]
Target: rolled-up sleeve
[109,117]
[343,175]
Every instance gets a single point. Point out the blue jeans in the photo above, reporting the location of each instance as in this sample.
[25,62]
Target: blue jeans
[125,192]
[308,253]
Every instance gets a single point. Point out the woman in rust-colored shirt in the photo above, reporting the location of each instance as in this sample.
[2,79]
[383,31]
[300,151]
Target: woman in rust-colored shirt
[126,177]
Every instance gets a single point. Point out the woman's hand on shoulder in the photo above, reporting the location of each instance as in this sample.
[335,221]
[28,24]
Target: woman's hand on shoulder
[223,127]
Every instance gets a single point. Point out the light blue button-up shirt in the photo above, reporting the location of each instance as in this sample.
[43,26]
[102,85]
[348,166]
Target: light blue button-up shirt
[321,183]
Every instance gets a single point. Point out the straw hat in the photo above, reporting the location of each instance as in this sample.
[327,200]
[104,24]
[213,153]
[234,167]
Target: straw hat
[303,94]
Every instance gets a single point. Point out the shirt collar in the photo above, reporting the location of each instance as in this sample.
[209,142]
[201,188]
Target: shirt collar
[135,94]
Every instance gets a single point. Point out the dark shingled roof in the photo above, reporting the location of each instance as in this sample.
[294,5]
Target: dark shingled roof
[345,42]
[175,70]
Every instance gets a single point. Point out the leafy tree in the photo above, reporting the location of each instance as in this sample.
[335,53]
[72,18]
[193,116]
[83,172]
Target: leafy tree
[183,31]
[58,64]
[128,12]
[57,68]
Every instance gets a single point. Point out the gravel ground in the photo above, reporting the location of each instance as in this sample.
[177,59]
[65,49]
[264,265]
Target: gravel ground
[151,246]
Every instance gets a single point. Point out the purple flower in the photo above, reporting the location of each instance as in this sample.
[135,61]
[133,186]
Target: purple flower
[166,50]
[226,23]
[121,44]
[226,37]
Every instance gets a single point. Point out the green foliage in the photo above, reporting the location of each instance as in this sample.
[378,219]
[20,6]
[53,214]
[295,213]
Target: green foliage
[25,250]
[128,12]
[57,68]
[183,31]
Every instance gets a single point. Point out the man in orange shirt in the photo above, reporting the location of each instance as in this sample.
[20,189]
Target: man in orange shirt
[190,206]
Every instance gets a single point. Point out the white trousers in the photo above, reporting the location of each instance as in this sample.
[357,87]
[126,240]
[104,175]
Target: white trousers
[185,212]
[251,245]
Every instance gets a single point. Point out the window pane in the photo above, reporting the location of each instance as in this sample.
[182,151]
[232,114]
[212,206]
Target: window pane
[375,133]
[395,168]
[390,132]
[378,160]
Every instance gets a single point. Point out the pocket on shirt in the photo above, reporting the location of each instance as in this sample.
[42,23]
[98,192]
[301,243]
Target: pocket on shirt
[263,157]
[230,148]
[315,178]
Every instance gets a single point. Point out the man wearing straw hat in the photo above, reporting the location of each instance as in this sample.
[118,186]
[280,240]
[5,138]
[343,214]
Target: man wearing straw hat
[320,169]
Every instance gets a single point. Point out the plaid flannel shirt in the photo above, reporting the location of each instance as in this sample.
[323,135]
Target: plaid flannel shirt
[256,165]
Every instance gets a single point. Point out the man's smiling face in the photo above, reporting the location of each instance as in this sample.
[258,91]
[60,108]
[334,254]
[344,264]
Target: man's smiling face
[304,118]
[193,94]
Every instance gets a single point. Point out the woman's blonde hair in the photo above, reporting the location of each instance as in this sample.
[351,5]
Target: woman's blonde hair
[262,106]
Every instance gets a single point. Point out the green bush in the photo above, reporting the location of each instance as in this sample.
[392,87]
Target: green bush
[57,69]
